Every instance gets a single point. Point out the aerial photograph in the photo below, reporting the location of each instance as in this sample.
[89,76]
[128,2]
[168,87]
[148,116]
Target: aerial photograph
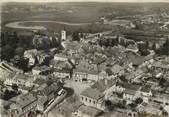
[84,58]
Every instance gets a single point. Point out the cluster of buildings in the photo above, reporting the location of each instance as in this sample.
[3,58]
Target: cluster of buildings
[119,79]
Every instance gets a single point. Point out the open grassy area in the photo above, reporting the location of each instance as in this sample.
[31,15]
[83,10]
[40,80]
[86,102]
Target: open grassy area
[75,13]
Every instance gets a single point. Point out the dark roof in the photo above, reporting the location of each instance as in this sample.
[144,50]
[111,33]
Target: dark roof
[109,71]
[48,88]
[135,58]
[39,81]
[92,93]
[73,45]
[102,84]
[25,100]
[130,86]
[146,88]
[160,65]
[116,69]
[129,91]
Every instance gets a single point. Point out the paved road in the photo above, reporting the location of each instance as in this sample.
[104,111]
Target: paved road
[77,87]
[54,103]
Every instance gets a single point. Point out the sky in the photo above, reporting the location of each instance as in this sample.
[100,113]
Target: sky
[84,0]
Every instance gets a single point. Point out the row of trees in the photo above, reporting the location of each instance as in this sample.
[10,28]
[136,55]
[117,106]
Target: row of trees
[12,44]
[165,48]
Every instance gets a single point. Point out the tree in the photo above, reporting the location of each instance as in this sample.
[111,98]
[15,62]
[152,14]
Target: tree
[19,51]
[147,44]
[42,42]
[154,46]
[14,87]
[166,47]
[109,105]
[138,100]
[76,36]
[7,52]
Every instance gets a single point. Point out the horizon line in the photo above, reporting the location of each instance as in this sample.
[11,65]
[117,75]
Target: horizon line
[81,1]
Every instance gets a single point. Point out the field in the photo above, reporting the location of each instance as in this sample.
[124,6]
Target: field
[74,13]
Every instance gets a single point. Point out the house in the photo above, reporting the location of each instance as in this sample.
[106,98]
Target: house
[121,87]
[20,80]
[153,81]
[117,70]
[103,74]
[31,55]
[103,85]
[131,113]
[61,57]
[93,98]
[160,67]
[46,93]
[10,67]
[84,75]
[129,91]
[3,108]
[23,104]
[62,73]
[43,57]
[135,75]
[148,60]
[129,95]
[72,47]
[161,98]
[79,75]
[145,92]
[85,111]
[41,70]
[135,59]
[7,70]
[85,72]
[61,64]
[64,57]
[151,109]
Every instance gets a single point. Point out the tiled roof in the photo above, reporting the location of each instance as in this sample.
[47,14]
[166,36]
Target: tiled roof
[42,68]
[130,91]
[73,45]
[130,86]
[25,100]
[60,64]
[61,70]
[46,89]
[102,85]
[160,65]
[116,69]
[146,88]
[92,93]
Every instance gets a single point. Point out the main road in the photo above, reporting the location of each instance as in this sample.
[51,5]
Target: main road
[56,101]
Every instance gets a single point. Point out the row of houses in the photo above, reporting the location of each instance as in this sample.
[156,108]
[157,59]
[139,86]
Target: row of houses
[38,99]
[103,89]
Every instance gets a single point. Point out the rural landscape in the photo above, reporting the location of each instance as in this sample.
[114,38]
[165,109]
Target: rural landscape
[84,59]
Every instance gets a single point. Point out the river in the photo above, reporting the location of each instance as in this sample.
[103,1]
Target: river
[20,24]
